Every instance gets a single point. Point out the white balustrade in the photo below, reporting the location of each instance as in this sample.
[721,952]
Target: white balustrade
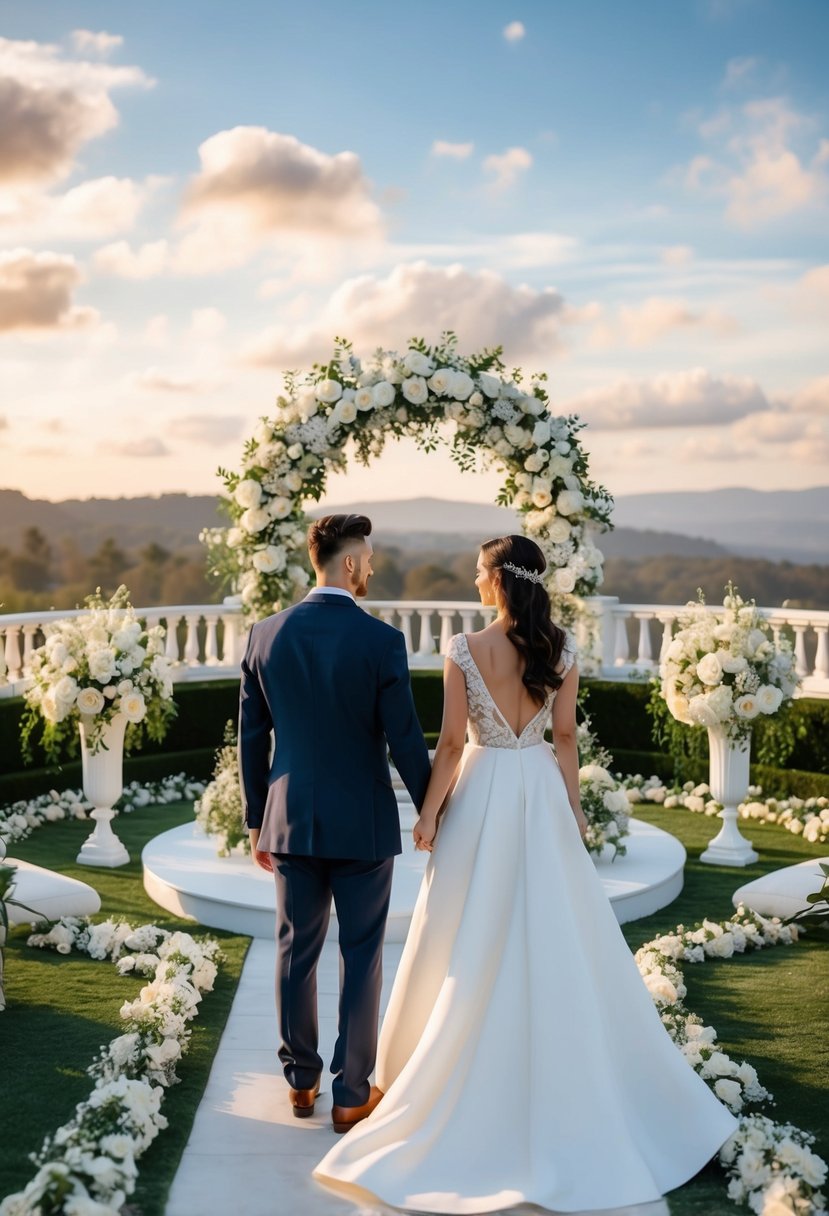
[616,641]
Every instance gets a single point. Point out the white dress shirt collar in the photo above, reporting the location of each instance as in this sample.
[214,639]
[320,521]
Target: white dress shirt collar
[331,591]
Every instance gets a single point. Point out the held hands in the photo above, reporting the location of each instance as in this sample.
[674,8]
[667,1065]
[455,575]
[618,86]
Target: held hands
[424,833]
[263,860]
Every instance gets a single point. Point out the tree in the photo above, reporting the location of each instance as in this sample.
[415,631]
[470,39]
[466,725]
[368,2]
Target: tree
[107,565]
[31,568]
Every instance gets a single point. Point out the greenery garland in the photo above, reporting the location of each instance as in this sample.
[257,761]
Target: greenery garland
[498,420]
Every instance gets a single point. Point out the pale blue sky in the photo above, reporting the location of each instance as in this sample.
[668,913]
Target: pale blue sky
[660,171]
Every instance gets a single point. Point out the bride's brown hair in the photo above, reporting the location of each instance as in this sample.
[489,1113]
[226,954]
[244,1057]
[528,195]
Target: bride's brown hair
[531,628]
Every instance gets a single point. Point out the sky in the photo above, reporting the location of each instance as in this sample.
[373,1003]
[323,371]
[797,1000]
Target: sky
[630,197]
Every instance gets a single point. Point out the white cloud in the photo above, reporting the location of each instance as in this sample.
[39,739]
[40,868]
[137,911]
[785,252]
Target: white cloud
[206,323]
[482,308]
[212,430]
[456,151]
[36,292]
[514,32]
[92,210]
[762,169]
[677,255]
[259,187]
[159,380]
[690,398]
[739,70]
[507,166]
[813,398]
[96,43]
[644,324]
[139,449]
[51,106]
[121,260]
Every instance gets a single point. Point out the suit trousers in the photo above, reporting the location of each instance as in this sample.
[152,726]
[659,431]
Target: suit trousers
[361,891]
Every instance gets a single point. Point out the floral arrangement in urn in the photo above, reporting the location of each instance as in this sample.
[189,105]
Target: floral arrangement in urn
[94,666]
[724,668]
[497,417]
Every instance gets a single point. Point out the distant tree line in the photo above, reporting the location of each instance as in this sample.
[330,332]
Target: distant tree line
[39,574]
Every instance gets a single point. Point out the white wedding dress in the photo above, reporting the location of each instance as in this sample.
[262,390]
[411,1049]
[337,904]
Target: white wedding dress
[521,1057]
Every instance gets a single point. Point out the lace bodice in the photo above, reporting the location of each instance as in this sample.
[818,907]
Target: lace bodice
[487,726]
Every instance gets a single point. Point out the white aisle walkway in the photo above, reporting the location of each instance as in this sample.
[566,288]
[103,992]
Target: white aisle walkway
[247,1154]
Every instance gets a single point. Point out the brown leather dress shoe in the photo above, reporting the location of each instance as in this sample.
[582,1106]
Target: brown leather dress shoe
[344,1117]
[302,1101]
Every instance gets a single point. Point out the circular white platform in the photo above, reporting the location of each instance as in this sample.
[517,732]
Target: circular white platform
[183,874]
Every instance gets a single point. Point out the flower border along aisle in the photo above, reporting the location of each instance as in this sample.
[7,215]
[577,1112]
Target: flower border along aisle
[288,460]
[771,1166]
[720,671]
[88,1165]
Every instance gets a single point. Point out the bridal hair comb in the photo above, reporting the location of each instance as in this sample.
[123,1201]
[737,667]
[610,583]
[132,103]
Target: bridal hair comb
[522,572]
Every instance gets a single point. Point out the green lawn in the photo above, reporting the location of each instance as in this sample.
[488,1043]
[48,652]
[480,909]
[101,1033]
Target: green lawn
[767,1007]
[62,1008]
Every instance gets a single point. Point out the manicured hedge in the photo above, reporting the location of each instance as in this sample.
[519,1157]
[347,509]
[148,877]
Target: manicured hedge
[617,711]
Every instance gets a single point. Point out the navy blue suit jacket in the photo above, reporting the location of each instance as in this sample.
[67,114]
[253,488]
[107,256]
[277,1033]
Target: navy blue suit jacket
[332,682]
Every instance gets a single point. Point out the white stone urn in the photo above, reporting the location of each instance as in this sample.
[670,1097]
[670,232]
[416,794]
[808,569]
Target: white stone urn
[728,779]
[103,783]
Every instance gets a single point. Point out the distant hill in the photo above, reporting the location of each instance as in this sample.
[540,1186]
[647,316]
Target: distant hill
[774,525]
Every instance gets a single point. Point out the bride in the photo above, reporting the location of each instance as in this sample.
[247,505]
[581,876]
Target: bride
[521,1057]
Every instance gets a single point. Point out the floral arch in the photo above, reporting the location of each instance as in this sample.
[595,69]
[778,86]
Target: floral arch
[497,418]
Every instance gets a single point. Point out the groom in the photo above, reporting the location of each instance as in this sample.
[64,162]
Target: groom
[332,683]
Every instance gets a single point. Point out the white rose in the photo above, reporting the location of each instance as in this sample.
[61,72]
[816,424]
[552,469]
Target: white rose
[534,463]
[248,493]
[418,363]
[559,530]
[709,669]
[328,391]
[462,386]
[542,431]
[344,411]
[269,559]
[66,689]
[733,663]
[235,537]
[560,466]
[415,389]
[755,640]
[490,385]
[295,451]
[255,519]
[263,432]
[720,702]
[364,399]
[102,665]
[476,399]
[565,580]
[90,701]
[532,405]
[133,706]
[729,1092]
[402,414]
[769,699]
[746,706]
[541,493]
[441,382]
[503,447]
[383,394]
[518,437]
[569,502]
[475,417]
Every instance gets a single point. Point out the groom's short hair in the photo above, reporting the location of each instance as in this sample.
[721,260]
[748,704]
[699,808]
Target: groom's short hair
[330,536]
